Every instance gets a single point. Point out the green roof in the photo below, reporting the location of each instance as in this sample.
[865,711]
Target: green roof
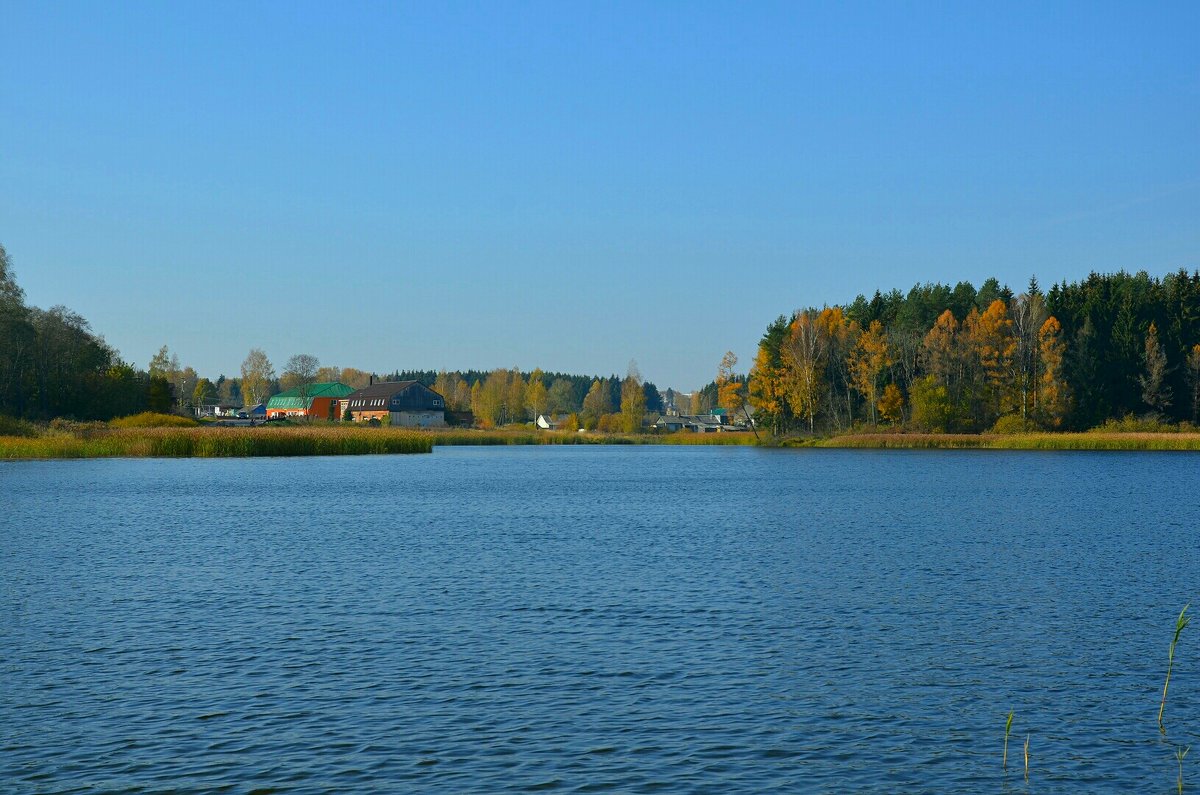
[291,398]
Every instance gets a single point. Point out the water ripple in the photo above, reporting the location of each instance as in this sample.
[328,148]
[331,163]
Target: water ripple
[595,620]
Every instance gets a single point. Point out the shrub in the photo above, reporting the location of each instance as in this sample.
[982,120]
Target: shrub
[152,419]
[1014,423]
[11,426]
[931,409]
[1150,423]
[609,423]
[63,425]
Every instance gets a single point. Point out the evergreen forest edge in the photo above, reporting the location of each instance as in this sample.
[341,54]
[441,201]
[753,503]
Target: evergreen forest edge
[938,359]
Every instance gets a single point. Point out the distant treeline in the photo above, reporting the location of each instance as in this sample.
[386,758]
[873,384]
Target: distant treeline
[500,397]
[944,358]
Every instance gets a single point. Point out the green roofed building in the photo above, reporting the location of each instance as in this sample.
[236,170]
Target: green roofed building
[314,402]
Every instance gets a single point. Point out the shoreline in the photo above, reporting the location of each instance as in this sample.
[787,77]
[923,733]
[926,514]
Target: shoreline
[1086,440]
[207,442]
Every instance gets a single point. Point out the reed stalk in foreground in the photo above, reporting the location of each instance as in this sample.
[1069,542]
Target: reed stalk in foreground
[1180,753]
[1026,757]
[1007,729]
[1180,623]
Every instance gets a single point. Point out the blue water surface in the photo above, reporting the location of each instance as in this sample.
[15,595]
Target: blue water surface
[598,619]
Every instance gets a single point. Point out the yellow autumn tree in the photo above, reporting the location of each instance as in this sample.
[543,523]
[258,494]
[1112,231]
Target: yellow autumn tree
[804,352]
[891,405]
[869,358]
[477,406]
[488,399]
[536,397]
[766,387]
[1053,394]
[514,397]
[729,389]
[446,385]
[839,336]
[595,405]
[633,401]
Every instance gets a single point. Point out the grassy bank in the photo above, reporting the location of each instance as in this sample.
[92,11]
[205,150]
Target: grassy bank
[134,440]
[1093,440]
[96,440]
[213,442]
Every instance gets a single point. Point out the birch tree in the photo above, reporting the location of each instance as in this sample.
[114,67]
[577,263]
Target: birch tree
[257,375]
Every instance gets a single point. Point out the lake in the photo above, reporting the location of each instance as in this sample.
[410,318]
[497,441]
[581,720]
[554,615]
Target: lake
[608,619]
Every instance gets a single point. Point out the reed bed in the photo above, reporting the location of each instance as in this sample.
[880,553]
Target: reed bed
[144,441]
[1092,440]
[504,436]
[454,437]
[215,443]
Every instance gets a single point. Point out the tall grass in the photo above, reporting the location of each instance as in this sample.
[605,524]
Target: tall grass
[1007,730]
[215,443]
[144,435]
[1092,440]
[1180,625]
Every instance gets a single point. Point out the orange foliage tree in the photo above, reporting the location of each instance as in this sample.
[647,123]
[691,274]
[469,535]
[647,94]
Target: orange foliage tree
[994,343]
[869,358]
[1053,396]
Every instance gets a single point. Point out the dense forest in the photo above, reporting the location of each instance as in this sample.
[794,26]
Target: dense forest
[943,358]
[53,365]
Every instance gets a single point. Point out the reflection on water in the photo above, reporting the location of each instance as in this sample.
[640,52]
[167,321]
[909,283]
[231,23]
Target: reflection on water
[597,619]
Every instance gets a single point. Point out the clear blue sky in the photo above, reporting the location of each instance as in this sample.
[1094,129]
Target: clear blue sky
[571,185]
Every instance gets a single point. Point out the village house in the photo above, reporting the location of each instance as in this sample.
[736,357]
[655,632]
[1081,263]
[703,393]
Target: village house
[715,422]
[315,403]
[406,404]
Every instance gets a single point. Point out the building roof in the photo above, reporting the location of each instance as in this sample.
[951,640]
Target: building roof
[291,398]
[690,420]
[382,389]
